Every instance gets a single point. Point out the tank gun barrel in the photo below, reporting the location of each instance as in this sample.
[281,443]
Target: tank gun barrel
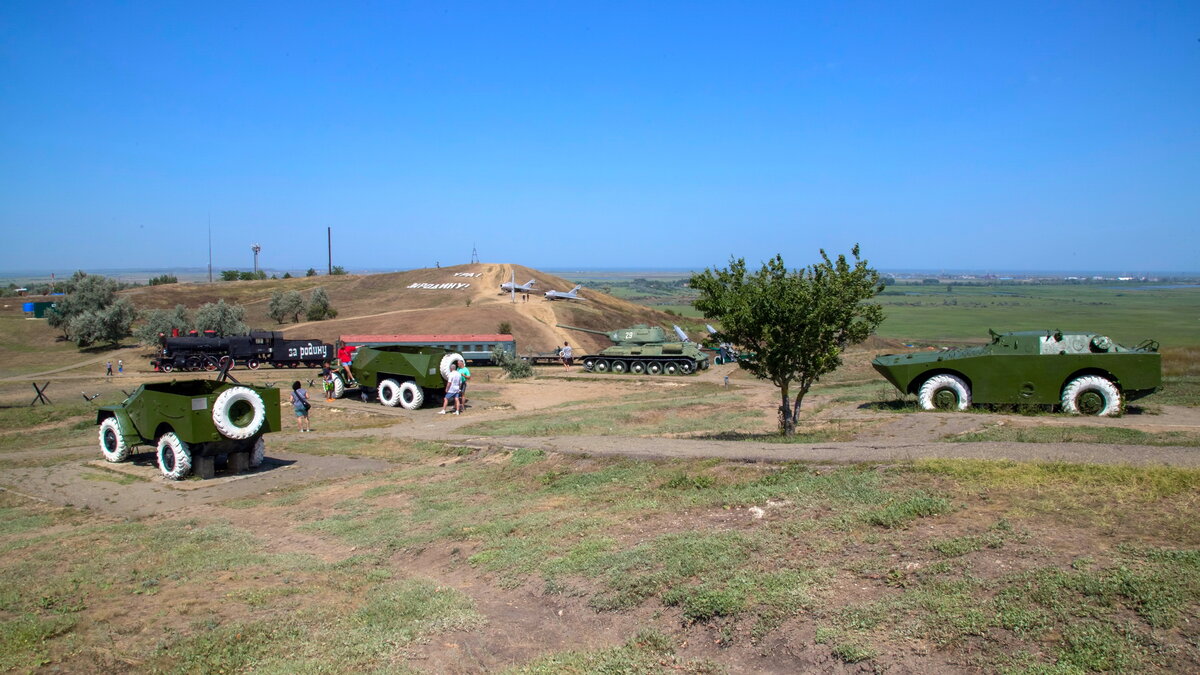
[582,330]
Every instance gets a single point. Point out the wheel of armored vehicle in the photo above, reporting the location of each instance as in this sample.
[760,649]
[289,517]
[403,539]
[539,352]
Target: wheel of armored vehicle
[589,364]
[258,453]
[944,392]
[447,361]
[637,367]
[112,444]
[389,392]
[671,368]
[685,368]
[238,413]
[601,366]
[619,367]
[1091,395]
[654,368]
[174,456]
[339,387]
[412,396]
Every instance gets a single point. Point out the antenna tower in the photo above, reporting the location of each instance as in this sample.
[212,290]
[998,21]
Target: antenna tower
[256,248]
[474,255]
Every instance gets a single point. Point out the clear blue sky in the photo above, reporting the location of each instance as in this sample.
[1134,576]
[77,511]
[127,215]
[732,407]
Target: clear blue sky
[1015,136]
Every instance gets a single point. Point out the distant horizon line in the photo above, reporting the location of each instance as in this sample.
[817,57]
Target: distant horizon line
[561,271]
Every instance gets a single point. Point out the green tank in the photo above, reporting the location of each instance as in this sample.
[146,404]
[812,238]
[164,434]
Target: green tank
[644,349]
[190,422]
[1083,373]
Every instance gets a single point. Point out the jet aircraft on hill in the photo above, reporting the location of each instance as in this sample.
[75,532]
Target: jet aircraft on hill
[564,295]
[511,286]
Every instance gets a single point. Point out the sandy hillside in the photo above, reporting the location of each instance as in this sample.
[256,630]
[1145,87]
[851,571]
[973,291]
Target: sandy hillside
[388,303]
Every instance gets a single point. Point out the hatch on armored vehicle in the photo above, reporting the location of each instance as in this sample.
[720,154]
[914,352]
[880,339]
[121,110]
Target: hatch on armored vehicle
[1082,372]
[190,422]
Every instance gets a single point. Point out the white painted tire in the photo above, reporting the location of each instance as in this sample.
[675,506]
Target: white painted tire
[229,413]
[1091,395]
[174,456]
[928,397]
[447,360]
[258,453]
[389,393]
[111,443]
[339,387]
[412,397]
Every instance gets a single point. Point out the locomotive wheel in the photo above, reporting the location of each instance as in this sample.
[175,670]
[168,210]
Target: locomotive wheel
[252,364]
[111,443]
[654,368]
[685,368]
[210,364]
[637,367]
[619,367]
[944,392]
[1092,395]
[166,367]
[276,364]
[601,366]
[193,363]
[293,364]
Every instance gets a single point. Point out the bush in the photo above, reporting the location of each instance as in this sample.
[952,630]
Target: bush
[163,279]
[505,328]
[516,368]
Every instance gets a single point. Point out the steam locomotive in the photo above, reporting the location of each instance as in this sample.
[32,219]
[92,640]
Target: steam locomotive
[203,351]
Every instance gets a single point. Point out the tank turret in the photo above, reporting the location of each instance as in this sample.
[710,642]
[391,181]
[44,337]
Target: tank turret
[643,349]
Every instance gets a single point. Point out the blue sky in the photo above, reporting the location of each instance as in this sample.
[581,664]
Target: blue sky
[1010,136]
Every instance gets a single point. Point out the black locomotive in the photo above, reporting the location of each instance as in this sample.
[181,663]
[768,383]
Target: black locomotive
[204,351]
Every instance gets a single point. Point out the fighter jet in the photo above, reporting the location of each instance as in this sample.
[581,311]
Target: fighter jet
[510,286]
[567,295]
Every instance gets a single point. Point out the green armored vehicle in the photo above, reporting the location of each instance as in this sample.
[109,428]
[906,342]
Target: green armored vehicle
[644,349]
[1085,373]
[191,422]
[400,375]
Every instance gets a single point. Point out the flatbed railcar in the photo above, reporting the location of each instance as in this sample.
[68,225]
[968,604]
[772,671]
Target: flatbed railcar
[259,348]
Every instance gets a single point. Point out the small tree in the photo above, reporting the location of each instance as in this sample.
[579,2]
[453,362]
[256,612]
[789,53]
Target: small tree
[223,318]
[337,270]
[85,293]
[161,321]
[286,275]
[318,306]
[505,328]
[515,367]
[230,275]
[796,324]
[163,279]
[109,324]
[310,273]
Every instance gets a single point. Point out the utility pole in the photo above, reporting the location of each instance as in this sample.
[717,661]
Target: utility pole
[256,248]
[210,248]
[329,246]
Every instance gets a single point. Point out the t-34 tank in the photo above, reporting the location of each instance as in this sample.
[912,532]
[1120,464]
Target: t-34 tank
[644,349]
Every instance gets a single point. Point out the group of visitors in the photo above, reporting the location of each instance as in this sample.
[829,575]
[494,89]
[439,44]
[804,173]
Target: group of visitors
[120,368]
[456,387]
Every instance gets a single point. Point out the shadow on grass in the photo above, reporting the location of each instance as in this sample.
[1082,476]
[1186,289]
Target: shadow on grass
[820,436]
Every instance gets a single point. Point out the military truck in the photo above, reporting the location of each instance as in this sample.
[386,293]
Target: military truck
[191,423]
[643,349]
[399,375]
[1083,373]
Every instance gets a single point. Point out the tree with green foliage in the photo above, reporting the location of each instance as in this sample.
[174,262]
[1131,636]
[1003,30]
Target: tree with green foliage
[284,304]
[230,275]
[337,270]
[161,321]
[286,275]
[163,279]
[515,367]
[318,306]
[223,318]
[84,293]
[795,324]
[252,276]
[106,325]
[310,273]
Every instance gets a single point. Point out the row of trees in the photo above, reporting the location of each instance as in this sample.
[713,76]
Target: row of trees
[235,275]
[91,313]
[291,304]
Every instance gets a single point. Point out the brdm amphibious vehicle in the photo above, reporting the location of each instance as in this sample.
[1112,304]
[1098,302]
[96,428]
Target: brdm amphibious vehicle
[1084,373]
